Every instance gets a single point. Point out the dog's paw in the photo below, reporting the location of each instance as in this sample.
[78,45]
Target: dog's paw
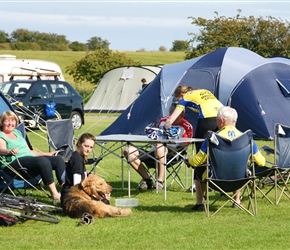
[126,211]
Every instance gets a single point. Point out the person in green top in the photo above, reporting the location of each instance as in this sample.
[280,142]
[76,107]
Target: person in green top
[16,154]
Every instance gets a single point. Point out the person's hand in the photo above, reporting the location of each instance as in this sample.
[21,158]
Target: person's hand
[53,153]
[14,151]
[185,160]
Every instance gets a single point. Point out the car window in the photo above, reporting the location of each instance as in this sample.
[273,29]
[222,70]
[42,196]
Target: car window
[5,87]
[60,90]
[40,91]
[21,88]
[15,88]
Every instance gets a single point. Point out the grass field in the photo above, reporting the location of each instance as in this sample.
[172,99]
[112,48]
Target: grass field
[155,223]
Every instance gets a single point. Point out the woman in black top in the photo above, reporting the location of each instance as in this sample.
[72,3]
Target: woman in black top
[75,169]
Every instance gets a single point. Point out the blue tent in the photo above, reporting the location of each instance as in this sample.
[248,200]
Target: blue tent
[257,87]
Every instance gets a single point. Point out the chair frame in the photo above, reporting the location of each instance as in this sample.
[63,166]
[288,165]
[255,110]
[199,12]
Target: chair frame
[261,181]
[279,174]
[173,166]
[224,184]
[8,180]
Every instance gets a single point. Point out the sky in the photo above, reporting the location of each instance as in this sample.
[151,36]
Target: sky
[127,25]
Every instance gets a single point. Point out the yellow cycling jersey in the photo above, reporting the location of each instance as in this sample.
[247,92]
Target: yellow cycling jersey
[201,101]
[229,132]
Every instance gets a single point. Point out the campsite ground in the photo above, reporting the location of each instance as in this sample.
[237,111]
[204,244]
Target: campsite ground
[155,223]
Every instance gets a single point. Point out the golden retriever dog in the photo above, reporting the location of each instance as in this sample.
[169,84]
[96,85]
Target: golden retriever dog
[86,197]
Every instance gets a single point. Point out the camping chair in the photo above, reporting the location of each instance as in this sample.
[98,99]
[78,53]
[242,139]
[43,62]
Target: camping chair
[173,166]
[265,177]
[60,135]
[280,171]
[14,180]
[227,161]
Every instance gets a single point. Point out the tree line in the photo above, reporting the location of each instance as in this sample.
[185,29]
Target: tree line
[267,37]
[23,39]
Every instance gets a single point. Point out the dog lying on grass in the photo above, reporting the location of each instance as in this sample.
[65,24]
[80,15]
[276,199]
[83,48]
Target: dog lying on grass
[86,197]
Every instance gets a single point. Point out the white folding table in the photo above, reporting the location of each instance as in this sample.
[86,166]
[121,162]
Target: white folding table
[121,140]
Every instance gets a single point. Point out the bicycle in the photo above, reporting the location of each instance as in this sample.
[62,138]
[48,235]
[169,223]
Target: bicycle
[23,208]
[33,117]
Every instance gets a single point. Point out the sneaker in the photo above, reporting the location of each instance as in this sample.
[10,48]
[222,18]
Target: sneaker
[198,207]
[144,185]
[159,185]
[235,205]
[191,189]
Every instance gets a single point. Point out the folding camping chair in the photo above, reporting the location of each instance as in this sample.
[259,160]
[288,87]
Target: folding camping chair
[60,135]
[174,164]
[227,161]
[14,180]
[279,173]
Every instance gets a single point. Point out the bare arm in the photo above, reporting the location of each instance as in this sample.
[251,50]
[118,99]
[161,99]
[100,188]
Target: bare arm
[172,118]
[39,153]
[3,149]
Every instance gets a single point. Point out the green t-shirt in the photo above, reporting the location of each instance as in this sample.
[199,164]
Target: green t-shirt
[18,143]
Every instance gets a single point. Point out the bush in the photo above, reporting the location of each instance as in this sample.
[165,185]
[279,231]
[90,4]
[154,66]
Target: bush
[92,67]
[5,46]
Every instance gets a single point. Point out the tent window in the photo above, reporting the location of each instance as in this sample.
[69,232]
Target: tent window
[284,85]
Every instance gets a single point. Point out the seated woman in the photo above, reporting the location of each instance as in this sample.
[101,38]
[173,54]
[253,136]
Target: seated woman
[76,170]
[13,144]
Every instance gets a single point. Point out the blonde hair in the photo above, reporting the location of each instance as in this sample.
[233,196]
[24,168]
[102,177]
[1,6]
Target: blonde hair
[182,89]
[6,115]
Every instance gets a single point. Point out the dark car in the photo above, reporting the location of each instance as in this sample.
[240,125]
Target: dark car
[36,93]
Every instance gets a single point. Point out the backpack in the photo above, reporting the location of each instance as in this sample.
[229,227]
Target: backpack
[50,109]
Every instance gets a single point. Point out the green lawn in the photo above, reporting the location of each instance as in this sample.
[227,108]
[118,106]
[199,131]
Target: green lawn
[155,223]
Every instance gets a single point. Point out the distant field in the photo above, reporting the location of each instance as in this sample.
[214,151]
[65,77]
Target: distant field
[65,58]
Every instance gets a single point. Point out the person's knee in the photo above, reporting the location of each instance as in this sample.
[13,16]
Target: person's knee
[125,151]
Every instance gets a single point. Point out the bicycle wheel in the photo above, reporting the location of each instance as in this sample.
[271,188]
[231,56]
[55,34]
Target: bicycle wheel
[40,216]
[41,118]
[29,208]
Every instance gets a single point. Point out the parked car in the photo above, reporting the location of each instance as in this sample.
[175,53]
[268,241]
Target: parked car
[35,93]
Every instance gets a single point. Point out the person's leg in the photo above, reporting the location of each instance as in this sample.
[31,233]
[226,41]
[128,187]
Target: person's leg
[132,154]
[202,127]
[199,188]
[161,152]
[237,196]
[38,166]
[58,165]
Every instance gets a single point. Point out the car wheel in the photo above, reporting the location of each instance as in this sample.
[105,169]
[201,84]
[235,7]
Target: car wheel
[76,120]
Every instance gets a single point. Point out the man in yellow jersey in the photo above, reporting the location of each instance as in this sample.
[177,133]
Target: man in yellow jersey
[226,121]
[201,101]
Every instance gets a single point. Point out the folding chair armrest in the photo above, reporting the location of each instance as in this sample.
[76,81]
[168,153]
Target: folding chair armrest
[268,149]
[94,161]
